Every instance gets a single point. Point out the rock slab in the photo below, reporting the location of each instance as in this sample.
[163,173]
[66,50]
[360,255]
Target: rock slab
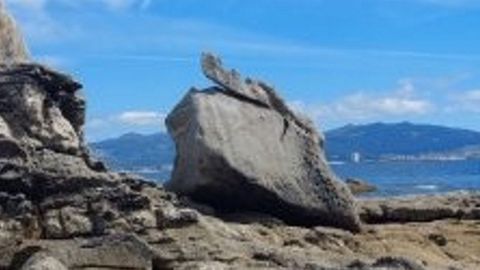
[240,148]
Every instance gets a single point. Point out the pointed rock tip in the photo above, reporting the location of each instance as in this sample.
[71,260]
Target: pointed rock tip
[12,46]
[213,69]
[211,64]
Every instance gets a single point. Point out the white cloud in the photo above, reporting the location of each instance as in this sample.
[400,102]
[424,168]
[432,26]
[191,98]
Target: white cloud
[139,121]
[122,4]
[29,4]
[141,118]
[467,101]
[111,4]
[40,26]
[361,106]
[129,119]
[181,35]
[452,3]
[53,61]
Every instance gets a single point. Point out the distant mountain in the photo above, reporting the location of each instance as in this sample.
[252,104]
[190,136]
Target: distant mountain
[379,140]
[147,154]
[153,155]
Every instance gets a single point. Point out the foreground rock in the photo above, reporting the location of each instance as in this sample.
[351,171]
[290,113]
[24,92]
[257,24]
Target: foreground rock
[214,244]
[241,149]
[107,252]
[50,187]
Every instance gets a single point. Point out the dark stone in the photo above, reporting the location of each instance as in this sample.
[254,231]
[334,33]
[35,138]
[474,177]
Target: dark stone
[397,263]
[438,239]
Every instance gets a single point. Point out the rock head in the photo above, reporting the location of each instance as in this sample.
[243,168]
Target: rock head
[240,148]
[12,46]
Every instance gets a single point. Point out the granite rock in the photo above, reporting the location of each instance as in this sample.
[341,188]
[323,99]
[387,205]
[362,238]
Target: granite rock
[240,148]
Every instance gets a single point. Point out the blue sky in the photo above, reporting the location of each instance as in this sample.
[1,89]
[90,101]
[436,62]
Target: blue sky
[338,61]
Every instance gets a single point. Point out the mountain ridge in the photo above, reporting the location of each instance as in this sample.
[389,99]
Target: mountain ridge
[393,141]
[384,140]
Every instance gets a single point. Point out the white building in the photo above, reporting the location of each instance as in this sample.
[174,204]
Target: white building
[356,157]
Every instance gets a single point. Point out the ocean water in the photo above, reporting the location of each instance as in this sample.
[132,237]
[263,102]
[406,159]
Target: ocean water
[398,178]
[408,178]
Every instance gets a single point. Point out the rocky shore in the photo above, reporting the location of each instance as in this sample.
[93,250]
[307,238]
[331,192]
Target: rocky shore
[251,188]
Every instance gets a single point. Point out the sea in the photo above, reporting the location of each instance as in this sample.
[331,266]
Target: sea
[398,178]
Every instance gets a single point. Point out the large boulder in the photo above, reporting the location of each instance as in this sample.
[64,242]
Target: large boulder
[240,148]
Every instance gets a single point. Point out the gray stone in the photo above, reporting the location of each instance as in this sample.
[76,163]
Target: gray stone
[109,252]
[240,148]
[170,217]
[396,263]
[42,261]
[66,223]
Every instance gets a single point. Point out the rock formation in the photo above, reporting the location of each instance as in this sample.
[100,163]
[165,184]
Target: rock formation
[358,186]
[50,186]
[60,209]
[240,148]
[12,46]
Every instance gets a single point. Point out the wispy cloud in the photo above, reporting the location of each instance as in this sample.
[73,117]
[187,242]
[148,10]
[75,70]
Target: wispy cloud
[135,118]
[180,36]
[361,106]
[143,121]
[141,118]
[451,3]
[53,61]
[110,4]
[466,101]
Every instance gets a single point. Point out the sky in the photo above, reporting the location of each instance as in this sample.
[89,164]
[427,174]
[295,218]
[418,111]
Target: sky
[337,61]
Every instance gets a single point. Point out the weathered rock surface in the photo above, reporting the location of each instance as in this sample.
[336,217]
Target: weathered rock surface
[107,252]
[240,148]
[51,189]
[42,261]
[257,245]
[12,46]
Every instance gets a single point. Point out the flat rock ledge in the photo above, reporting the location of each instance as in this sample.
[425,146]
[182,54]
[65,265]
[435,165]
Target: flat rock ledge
[421,208]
